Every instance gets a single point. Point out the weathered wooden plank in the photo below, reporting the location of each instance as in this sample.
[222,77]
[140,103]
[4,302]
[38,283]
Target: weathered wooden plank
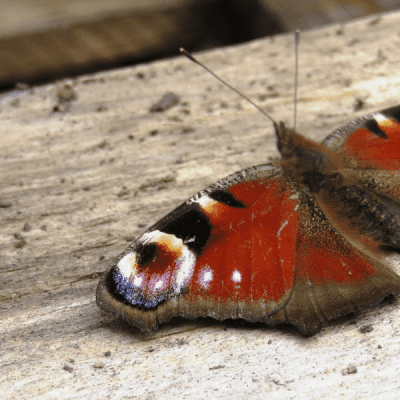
[79,183]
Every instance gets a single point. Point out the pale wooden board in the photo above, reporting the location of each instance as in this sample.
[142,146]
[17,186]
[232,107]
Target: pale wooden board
[64,171]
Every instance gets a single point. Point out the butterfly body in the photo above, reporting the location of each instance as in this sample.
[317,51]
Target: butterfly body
[299,241]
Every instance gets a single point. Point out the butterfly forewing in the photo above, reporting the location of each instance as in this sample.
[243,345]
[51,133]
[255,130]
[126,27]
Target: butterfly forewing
[244,268]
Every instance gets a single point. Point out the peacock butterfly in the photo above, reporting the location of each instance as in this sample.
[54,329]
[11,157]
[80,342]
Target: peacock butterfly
[300,241]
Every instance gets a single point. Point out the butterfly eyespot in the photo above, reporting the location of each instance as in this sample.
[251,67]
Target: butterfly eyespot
[162,277]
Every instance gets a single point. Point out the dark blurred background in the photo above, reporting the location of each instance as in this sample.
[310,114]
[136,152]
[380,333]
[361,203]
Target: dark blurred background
[42,40]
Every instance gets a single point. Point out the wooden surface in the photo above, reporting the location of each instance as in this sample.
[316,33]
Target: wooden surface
[82,178]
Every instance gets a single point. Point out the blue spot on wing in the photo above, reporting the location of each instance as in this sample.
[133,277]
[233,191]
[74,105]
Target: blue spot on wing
[133,294]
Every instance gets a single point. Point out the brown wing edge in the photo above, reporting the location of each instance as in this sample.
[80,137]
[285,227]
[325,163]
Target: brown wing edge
[316,300]
[321,309]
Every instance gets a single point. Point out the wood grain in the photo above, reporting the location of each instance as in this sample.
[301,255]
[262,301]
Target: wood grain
[82,178]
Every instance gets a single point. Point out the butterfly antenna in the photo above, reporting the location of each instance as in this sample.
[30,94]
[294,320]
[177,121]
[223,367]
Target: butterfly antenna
[296,73]
[192,58]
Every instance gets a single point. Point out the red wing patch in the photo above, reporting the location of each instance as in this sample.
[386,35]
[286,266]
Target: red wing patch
[375,143]
[243,250]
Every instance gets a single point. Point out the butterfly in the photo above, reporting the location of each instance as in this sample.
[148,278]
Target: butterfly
[301,240]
